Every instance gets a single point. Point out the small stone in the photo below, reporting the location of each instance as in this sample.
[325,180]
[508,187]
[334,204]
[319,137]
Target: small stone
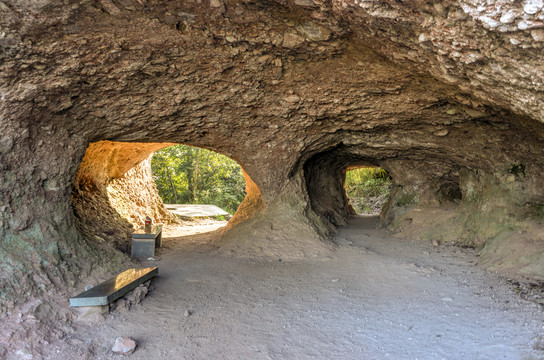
[523,25]
[451,111]
[171,20]
[531,7]
[514,41]
[473,113]
[335,280]
[186,16]
[187,313]
[538,34]
[265,59]
[216,3]
[508,17]
[423,38]
[122,305]
[447,299]
[292,99]
[93,315]
[291,40]
[110,7]
[304,3]
[441,133]
[314,32]
[124,346]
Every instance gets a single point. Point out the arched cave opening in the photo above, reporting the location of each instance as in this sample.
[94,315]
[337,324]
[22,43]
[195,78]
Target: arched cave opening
[114,188]
[326,175]
[417,186]
[367,188]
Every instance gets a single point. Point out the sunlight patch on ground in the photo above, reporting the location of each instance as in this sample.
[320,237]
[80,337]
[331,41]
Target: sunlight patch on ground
[197,226]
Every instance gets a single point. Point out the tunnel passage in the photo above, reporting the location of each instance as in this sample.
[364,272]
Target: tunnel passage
[367,189]
[437,191]
[454,116]
[429,183]
[325,174]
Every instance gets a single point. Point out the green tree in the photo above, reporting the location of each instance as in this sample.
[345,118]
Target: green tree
[367,188]
[188,175]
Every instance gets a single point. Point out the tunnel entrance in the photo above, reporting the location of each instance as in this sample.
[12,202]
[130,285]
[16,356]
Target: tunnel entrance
[344,181]
[118,184]
[190,175]
[367,189]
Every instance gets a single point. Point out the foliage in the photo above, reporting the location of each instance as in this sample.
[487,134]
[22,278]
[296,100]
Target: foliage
[367,189]
[219,180]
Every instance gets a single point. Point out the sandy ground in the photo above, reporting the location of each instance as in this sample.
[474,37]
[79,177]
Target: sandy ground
[376,297]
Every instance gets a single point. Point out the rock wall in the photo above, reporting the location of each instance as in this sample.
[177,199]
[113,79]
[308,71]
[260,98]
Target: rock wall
[114,191]
[443,95]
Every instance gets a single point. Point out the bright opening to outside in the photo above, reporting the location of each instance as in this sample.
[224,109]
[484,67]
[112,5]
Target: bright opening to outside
[189,175]
[368,189]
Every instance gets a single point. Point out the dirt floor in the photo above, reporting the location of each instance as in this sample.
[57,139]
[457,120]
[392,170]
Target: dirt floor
[375,297]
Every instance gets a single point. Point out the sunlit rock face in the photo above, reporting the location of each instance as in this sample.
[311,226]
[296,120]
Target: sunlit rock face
[114,192]
[444,95]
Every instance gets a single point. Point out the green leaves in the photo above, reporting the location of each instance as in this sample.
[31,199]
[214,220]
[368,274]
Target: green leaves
[366,187]
[219,181]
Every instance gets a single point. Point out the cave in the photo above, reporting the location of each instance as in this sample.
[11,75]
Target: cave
[446,96]
[367,188]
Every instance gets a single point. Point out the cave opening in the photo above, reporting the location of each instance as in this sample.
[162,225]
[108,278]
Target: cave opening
[187,176]
[367,188]
[119,184]
[344,181]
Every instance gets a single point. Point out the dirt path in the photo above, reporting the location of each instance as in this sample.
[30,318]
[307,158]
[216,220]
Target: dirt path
[376,297]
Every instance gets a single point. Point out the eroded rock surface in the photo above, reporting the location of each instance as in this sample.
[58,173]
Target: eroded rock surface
[444,95]
[114,191]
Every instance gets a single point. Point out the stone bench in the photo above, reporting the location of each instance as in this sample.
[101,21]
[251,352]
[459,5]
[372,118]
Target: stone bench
[144,241]
[112,289]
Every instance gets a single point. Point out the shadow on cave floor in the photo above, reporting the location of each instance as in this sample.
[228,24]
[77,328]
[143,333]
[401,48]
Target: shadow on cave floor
[375,297]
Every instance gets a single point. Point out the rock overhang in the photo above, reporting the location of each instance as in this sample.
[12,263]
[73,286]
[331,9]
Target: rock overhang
[287,89]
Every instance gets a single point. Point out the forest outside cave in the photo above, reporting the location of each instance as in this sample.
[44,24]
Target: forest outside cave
[190,175]
[367,189]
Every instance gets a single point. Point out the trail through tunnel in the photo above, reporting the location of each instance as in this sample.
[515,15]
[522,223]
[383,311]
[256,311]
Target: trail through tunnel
[445,96]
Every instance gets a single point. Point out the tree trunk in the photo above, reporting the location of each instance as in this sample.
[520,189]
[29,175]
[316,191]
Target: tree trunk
[196,174]
[174,192]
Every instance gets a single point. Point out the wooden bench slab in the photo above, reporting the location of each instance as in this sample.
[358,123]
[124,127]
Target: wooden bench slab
[114,288]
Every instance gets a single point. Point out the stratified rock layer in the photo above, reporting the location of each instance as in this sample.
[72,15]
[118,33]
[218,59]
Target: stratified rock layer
[444,95]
